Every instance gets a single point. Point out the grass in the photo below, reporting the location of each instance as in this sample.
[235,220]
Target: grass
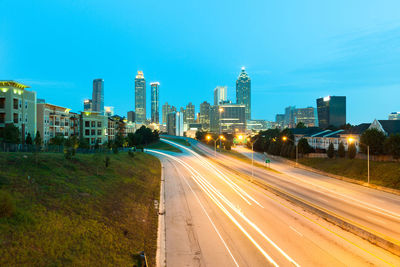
[160,145]
[385,174]
[78,212]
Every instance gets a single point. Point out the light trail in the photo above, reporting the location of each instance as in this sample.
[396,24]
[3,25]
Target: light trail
[213,193]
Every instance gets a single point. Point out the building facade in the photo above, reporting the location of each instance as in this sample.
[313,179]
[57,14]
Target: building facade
[175,124]
[189,116]
[98,96]
[131,116]
[220,94]
[232,118]
[165,110]
[204,115]
[243,92]
[394,116]
[87,105]
[140,98]
[331,111]
[93,127]
[18,107]
[53,120]
[306,116]
[155,99]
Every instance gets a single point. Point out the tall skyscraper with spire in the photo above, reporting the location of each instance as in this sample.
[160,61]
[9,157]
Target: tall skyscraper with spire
[155,99]
[98,96]
[243,92]
[140,98]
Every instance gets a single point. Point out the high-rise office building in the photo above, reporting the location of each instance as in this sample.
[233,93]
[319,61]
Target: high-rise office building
[305,115]
[131,116]
[394,116]
[98,96]
[140,98]
[87,105]
[204,117]
[220,94]
[155,106]
[243,92]
[331,111]
[289,117]
[166,109]
[189,113]
[173,109]
[280,119]
[175,124]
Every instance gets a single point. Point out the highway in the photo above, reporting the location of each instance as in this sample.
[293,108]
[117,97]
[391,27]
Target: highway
[215,217]
[373,209]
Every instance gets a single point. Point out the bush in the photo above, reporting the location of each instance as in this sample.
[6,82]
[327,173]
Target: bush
[304,147]
[392,146]
[374,139]
[341,150]
[131,154]
[352,151]
[331,151]
[7,204]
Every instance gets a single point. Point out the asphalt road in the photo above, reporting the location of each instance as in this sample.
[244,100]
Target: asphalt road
[214,217]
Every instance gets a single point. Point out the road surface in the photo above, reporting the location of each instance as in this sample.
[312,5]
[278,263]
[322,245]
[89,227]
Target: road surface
[214,217]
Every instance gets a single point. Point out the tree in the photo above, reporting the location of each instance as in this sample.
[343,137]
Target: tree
[201,135]
[28,139]
[301,125]
[352,151]
[374,139]
[331,151]
[11,134]
[341,150]
[304,147]
[392,145]
[38,139]
[57,140]
[83,143]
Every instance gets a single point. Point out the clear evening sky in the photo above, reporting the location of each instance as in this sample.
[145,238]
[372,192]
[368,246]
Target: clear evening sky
[294,51]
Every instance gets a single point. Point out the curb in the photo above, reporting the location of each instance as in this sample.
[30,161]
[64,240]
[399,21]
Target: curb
[373,237]
[161,233]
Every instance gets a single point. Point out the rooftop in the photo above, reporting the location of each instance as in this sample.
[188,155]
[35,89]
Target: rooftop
[13,84]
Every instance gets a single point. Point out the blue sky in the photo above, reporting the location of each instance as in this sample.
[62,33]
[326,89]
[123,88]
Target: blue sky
[294,51]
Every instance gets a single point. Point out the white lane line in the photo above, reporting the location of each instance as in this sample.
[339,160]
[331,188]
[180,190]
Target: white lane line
[209,218]
[300,234]
[322,199]
[213,193]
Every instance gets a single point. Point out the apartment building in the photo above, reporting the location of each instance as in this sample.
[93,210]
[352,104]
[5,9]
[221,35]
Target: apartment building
[17,106]
[93,127]
[53,120]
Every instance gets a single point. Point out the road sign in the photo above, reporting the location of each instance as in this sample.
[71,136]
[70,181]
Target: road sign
[267,161]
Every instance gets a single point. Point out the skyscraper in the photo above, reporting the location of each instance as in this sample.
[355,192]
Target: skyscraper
[189,113]
[87,105]
[243,92]
[131,116]
[98,95]
[166,109]
[140,98]
[155,96]
[331,111]
[204,117]
[220,94]
[394,116]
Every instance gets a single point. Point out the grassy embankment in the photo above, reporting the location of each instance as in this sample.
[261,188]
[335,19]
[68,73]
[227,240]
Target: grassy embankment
[160,145]
[385,174]
[78,212]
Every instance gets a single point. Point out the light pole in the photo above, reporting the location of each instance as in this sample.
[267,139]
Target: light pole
[352,140]
[252,154]
[220,111]
[221,137]
[285,138]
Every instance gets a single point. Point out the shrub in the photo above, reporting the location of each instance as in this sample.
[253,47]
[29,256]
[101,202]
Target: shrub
[352,151]
[341,150]
[131,154]
[331,151]
[7,204]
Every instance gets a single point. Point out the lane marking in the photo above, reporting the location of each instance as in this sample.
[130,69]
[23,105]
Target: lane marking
[375,219]
[213,194]
[300,234]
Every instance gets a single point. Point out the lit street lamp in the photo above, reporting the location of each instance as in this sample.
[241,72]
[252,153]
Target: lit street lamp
[284,139]
[221,137]
[352,140]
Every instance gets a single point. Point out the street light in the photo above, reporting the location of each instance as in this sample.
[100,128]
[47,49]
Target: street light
[252,153]
[352,140]
[284,139]
[209,137]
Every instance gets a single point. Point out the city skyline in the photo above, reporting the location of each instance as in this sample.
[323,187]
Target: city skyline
[291,63]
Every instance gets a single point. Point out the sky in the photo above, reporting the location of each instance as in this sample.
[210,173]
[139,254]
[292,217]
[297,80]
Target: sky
[294,51]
